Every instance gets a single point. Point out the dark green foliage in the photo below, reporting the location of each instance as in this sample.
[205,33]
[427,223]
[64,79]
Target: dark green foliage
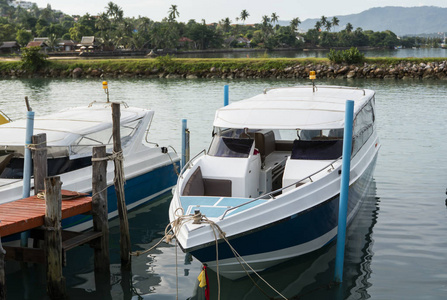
[350,56]
[33,59]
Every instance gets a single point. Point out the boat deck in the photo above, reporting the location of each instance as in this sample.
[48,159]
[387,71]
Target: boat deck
[214,207]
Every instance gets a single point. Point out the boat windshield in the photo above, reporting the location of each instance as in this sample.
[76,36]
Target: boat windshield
[83,146]
[231,143]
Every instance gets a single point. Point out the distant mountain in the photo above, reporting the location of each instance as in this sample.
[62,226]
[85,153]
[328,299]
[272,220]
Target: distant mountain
[400,20]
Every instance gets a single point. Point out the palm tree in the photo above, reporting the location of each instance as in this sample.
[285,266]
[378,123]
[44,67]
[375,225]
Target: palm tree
[244,15]
[52,41]
[349,28]
[294,24]
[328,26]
[102,23]
[274,18]
[173,13]
[265,20]
[225,24]
[323,21]
[318,25]
[114,11]
[335,21]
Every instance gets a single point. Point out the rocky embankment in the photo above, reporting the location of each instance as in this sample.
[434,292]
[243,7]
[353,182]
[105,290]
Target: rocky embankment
[402,70]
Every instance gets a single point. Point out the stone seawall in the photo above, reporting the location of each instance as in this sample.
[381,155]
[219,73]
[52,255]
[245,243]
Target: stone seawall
[402,70]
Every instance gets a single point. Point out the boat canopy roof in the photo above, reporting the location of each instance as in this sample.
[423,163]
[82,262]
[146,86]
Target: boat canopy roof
[293,108]
[67,126]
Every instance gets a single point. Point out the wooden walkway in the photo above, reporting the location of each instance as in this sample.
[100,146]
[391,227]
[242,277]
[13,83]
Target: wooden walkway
[25,214]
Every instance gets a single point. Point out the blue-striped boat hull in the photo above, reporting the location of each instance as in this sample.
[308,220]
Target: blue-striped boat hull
[299,233]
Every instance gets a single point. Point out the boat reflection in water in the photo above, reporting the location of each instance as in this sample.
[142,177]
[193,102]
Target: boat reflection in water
[310,276]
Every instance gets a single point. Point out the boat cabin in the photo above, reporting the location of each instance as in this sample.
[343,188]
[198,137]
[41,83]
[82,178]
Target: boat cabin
[273,155]
[71,136]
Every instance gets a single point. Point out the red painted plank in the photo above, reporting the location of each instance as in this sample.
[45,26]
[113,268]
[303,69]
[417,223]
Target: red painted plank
[25,214]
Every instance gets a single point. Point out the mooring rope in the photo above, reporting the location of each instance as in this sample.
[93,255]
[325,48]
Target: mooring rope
[174,227]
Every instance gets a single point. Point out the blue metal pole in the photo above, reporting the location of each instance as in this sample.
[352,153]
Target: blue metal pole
[344,191]
[27,165]
[226,95]
[184,126]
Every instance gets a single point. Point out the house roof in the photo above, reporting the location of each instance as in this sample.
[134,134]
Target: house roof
[67,43]
[13,44]
[37,44]
[87,40]
[40,39]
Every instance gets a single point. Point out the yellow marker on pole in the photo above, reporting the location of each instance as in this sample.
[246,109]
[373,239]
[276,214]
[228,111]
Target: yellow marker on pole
[105,87]
[312,77]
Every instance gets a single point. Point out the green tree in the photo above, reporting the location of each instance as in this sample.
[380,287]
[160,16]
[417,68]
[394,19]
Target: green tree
[244,15]
[274,18]
[33,59]
[335,21]
[7,32]
[294,24]
[23,37]
[52,41]
[225,25]
[173,13]
[349,28]
[323,21]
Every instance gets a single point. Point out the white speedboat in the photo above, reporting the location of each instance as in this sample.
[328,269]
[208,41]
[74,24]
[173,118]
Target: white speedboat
[269,184]
[149,170]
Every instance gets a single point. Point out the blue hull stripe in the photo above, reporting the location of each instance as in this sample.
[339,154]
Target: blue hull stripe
[135,189]
[292,231]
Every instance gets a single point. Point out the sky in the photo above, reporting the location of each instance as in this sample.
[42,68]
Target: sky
[215,10]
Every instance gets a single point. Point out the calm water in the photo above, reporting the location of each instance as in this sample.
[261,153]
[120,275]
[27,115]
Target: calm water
[420,52]
[396,247]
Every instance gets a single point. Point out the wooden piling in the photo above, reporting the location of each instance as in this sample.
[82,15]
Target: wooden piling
[2,272]
[40,168]
[53,238]
[119,188]
[100,220]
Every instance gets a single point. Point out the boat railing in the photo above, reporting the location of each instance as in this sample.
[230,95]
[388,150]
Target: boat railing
[322,86]
[273,193]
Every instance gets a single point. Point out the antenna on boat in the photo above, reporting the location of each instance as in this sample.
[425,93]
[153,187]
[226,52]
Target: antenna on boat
[106,89]
[312,77]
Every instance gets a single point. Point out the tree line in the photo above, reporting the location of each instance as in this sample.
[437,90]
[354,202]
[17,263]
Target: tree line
[113,30]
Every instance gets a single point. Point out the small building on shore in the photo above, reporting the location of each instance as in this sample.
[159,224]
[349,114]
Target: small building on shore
[88,44]
[43,45]
[9,47]
[67,45]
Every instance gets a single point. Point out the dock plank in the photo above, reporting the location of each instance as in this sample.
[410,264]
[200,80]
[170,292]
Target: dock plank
[25,214]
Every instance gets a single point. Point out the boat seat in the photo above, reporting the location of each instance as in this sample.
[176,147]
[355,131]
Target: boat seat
[264,142]
[199,186]
[317,150]
[4,161]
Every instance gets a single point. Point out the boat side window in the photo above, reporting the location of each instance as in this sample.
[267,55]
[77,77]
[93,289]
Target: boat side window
[363,126]
[223,146]
[320,134]
[56,165]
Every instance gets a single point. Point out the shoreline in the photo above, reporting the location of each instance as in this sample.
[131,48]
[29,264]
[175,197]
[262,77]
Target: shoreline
[166,67]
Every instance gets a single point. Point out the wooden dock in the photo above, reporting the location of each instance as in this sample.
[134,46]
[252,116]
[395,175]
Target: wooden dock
[26,214]
[42,219]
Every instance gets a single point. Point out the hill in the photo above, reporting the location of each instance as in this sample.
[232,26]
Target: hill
[400,20]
